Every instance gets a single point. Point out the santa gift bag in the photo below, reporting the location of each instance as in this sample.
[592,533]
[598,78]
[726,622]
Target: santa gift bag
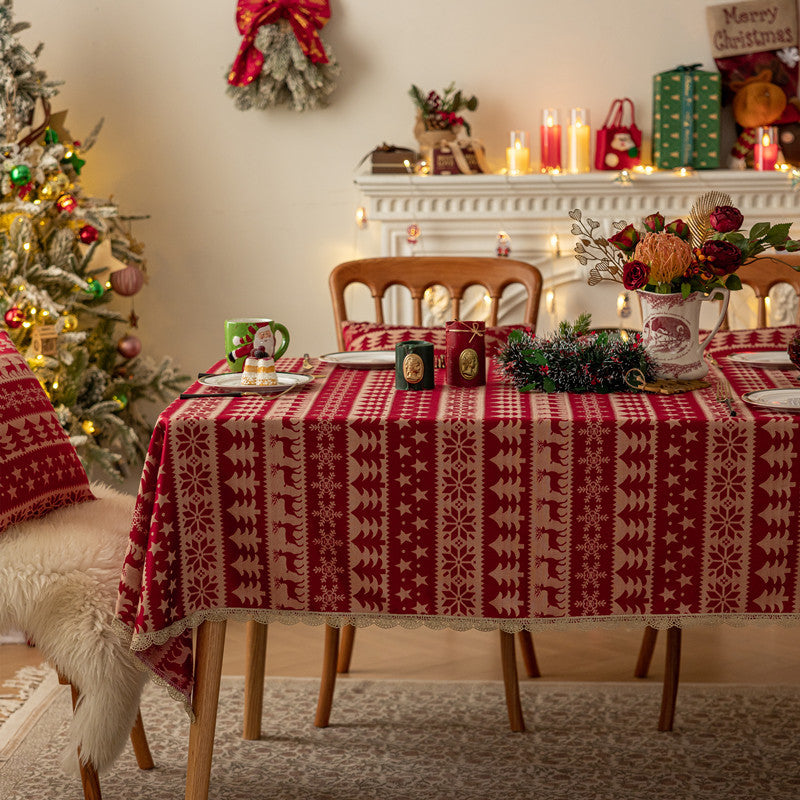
[619,143]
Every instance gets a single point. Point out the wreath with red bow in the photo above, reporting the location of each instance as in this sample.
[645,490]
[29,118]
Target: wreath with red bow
[282,59]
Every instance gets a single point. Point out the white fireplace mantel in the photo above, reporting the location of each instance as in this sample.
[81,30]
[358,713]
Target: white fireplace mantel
[462,214]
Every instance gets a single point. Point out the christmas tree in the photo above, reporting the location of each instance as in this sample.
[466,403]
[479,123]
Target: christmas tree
[63,256]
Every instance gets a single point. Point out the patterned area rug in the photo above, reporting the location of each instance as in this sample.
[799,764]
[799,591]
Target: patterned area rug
[409,740]
[16,691]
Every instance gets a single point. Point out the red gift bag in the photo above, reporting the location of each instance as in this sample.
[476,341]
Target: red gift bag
[619,146]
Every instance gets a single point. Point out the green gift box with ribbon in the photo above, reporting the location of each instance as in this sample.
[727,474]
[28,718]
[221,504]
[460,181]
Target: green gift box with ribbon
[686,118]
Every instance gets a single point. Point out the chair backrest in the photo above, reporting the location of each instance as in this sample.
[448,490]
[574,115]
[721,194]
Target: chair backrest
[766,271]
[418,273]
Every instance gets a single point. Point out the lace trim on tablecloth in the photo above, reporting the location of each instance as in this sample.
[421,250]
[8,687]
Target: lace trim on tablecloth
[142,641]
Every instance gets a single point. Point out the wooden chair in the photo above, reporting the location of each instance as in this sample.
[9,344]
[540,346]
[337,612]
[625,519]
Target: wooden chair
[418,274]
[141,750]
[456,274]
[59,576]
[761,274]
[765,272]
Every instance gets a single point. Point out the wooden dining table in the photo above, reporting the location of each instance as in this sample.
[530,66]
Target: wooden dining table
[346,501]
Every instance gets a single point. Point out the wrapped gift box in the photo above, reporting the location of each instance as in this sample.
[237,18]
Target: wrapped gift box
[390,160]
[446,160]
[686,118]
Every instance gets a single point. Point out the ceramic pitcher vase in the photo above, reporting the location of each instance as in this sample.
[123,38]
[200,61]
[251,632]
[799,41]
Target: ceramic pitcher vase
[670,332]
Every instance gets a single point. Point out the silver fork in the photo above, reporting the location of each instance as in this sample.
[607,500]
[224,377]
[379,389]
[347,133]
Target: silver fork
[725,395]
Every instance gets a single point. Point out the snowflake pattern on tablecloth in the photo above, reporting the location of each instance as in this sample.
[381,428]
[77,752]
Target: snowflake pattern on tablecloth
[351,498]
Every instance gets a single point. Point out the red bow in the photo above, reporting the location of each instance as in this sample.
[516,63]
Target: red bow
[305,16]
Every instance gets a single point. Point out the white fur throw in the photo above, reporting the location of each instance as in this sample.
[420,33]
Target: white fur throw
[59,577]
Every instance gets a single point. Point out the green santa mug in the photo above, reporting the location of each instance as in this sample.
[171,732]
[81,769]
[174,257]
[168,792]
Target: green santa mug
[253,335]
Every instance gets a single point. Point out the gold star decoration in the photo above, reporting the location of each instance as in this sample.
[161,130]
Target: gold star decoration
[102,259]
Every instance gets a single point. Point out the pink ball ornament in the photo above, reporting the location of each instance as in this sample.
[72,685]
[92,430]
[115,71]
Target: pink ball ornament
[127,281]
[129,346]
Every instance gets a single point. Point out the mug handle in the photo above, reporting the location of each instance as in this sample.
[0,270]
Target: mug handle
[276,326]
[726,296]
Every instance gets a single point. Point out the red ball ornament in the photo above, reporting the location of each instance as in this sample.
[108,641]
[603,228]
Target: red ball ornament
[14,317]
[129,346]
[127,281]
[88,234]
[66,202]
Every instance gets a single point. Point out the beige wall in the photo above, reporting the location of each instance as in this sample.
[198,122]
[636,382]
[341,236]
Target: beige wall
[250,210]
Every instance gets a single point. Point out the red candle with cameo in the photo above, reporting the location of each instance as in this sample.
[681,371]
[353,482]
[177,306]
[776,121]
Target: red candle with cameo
[465,352]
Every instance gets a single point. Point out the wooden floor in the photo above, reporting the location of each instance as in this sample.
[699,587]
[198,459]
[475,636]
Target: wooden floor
[714,654]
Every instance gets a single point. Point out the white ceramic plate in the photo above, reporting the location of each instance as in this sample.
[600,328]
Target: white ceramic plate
[774,399]
[361,359]
[766,359]
[233,381]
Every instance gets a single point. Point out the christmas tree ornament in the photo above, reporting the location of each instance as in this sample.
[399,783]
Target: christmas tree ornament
[121,399]
[102,261]
[14,317]
[95,287]
[412,233]
[88,234]
[503,244]
[20,174]
[44,340]
[70,322]
[282,59]
[128,281]
[129,346]
[72,158]
[66,202]
[88,427]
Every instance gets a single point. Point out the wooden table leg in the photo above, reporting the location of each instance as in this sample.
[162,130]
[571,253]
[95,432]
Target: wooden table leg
[347,639]
[209,648]
[525,639]
[328,680]
[511,681]
[671,674]
[646,652]
[255,659]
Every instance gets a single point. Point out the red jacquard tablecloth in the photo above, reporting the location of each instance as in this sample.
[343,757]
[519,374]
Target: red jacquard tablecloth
[349,501]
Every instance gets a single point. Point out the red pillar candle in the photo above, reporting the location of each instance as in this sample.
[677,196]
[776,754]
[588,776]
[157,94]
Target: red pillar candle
[465,352]
[765,149]
[550,140]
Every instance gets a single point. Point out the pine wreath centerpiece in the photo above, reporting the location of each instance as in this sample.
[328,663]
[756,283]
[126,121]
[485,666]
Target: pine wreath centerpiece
[282,59]
[574,359]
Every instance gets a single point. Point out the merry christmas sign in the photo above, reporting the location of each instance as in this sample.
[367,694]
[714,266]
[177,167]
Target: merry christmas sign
[752,26]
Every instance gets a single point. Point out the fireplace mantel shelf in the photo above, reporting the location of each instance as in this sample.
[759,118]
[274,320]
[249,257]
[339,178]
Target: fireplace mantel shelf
[396,197]
[462,214]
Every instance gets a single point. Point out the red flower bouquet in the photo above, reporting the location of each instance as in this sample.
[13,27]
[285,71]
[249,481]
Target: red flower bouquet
[700,254]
